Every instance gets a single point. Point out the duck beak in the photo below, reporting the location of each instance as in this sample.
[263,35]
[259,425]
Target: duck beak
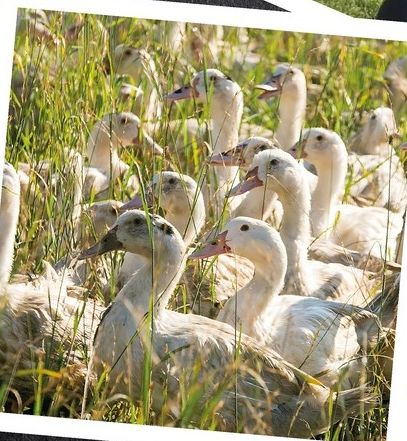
[403,147]
[250,182]
[184,93]
[297,151]
[270,88]
[134,204]
[107,244]
[137,202]
[215,248]
[231,158]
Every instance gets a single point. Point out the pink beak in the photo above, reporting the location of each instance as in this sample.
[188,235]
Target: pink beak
[135,204]
[184,93]
[225,159]
[403,147]
[297,151]
[250,182]
[215,248]
[269,89]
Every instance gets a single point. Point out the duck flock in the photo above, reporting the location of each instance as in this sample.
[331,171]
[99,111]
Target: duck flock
[254,291]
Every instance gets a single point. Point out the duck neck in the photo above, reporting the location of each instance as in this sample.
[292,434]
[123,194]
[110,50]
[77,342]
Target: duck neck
[383,149]
[153,104]
[151,287]
[188,218]
[291,118]
[296,235]
[257,204]
[327,195]
[103,153]
[73,172]
[226,114]
[253,300]
[9,212]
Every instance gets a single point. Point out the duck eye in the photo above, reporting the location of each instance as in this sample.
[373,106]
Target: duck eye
[320,138]
[373,117]
[127,52]
[212,79]
[274,162]
[171,181]
[214,242]
[244,228]
[123,121]
[167,229]
[262,148]
[137,221]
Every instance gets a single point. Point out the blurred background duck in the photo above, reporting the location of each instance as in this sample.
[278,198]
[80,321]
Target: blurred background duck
[369,230]
[41,326]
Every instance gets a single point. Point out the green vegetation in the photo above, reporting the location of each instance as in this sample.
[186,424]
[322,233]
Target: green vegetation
[355,8]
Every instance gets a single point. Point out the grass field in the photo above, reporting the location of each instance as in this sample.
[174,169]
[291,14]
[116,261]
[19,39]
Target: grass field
[61,90]
[355,8]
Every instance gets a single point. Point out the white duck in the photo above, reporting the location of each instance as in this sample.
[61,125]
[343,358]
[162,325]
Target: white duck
[254,204]
[181,342]
[376,171]
[102,215]
[106,138]
[261,207]
[182,201]
[225,100]
[289,84]
[38,320]
[279,172]
[369,230]
[105,166]
[140,66]
[324,339]
[95,220]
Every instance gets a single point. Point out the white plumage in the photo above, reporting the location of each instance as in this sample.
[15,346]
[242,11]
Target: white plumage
[324,339]
[182,341]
